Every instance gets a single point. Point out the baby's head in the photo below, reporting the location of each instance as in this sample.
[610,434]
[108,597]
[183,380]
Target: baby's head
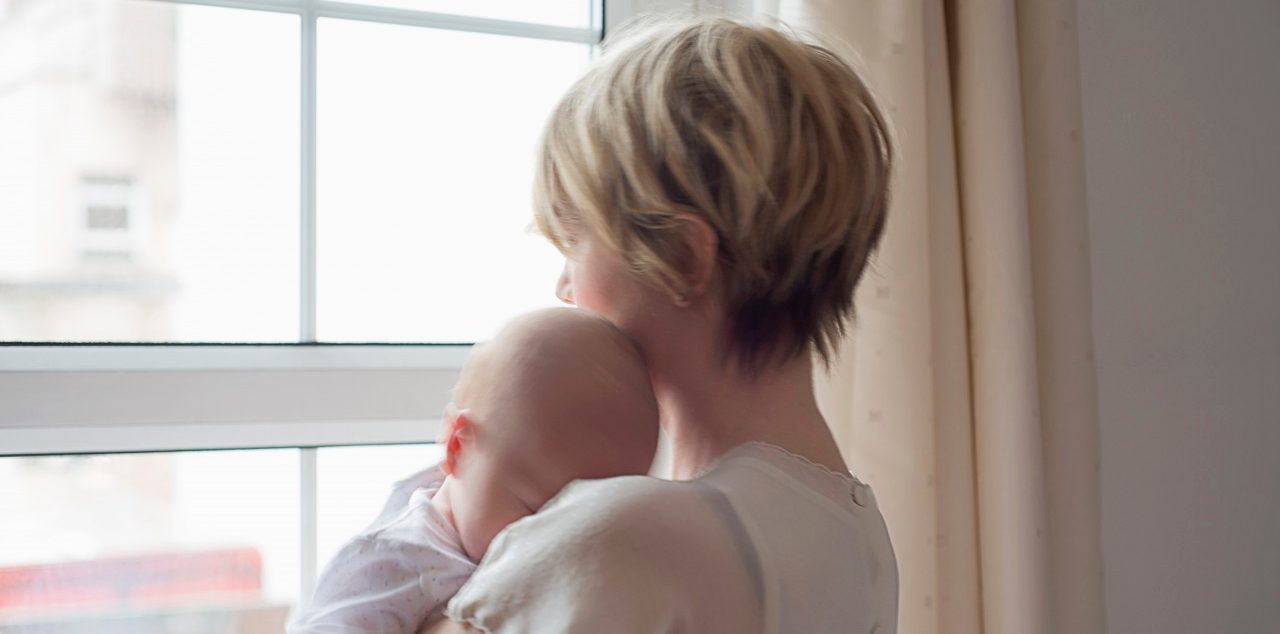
[558,395]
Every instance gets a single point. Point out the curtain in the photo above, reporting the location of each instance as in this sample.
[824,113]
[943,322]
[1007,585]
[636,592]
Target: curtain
[965,393]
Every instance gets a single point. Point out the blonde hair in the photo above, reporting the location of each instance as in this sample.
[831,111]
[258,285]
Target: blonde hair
[774,141]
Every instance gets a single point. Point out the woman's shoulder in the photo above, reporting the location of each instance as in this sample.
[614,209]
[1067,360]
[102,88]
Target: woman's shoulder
[622,494]
[581,562]
[634,526]
[754,478]
[615,508]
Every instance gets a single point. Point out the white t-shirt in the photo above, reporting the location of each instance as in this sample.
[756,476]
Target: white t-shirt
[764,541]
[397,574]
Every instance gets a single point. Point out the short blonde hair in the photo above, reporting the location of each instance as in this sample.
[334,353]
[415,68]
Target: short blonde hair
[774,141]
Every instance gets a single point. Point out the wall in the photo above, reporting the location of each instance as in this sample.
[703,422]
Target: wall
[1182,137]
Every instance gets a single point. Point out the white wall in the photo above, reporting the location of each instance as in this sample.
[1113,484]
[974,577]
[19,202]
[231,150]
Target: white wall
[1182,143]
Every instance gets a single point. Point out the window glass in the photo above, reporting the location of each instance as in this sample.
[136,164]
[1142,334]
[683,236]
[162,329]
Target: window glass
[163,542]
[424,176]
[148,172]
[149,178]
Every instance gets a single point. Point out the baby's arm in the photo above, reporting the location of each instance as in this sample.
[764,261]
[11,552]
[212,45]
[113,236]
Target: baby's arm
[370,586]
[392,577]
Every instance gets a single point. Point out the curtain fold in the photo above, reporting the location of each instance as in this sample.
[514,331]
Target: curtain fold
[1012,506]
[965,393]
[958,581]
[1051,107]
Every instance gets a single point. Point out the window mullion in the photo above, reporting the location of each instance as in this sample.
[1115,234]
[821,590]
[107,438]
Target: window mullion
[307,294]
[307,524]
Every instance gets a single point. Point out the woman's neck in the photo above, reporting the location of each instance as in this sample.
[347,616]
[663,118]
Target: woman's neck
[708,409]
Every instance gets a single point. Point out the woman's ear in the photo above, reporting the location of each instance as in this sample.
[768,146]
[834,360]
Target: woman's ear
[459,435]
[701,247]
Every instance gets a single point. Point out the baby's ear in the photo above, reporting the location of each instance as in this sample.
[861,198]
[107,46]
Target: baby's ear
[446,425]
[458,434]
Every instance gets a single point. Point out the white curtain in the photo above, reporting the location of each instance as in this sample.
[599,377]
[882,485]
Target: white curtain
[966,394]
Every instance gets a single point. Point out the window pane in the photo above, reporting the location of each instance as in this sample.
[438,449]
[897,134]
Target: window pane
[424,172]
[165,542]
[352,484]
[571,13]
[148,172]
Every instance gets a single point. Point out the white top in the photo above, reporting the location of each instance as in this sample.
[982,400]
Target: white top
[764,541]
[397,574]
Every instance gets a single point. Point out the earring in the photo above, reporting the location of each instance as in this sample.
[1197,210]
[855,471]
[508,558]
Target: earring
[682,299]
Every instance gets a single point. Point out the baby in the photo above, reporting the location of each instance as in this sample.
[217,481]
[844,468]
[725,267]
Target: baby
[558,395]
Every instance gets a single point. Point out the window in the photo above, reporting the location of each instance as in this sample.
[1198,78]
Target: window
[276,171]
[149,172]
[109,218]
[233,296]
[191,541]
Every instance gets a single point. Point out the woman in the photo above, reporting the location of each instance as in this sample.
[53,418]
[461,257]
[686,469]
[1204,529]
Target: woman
[717,188]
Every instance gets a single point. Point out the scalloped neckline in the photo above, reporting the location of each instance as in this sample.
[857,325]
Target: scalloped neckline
[847,478]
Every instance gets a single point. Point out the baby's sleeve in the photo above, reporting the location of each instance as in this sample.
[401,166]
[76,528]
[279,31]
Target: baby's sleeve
[366,588]
[392,578]
[620,555]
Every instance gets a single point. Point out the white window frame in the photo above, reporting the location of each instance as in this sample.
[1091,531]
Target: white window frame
[107,398]
[58,399]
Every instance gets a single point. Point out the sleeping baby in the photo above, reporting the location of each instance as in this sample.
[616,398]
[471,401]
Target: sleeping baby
[558,395]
